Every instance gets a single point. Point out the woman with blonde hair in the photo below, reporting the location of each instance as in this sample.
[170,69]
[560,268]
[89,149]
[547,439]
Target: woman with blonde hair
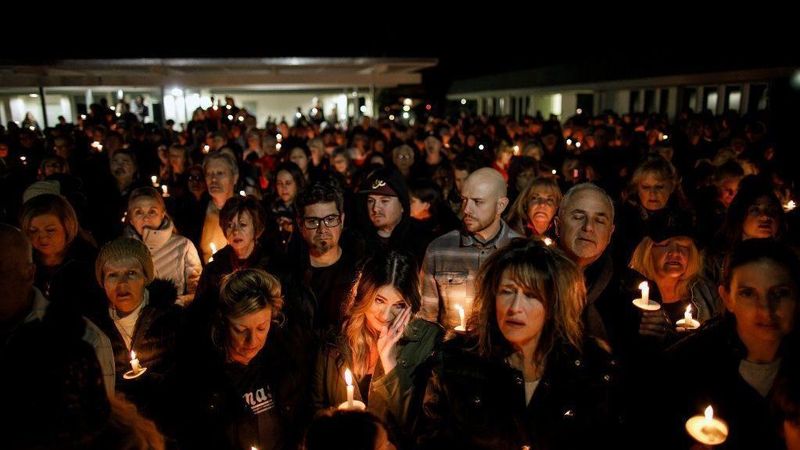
[533,211]
[380,345]
[526,374]
[673,261]
[252,385]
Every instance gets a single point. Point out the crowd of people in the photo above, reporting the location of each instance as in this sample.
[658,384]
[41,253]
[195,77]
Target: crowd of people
[463,282]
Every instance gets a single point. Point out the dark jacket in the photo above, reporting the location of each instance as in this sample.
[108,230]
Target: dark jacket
[73,281]
[155,344]
[264,404]
[472,402]
[394,397]
[703,370]
[408,236]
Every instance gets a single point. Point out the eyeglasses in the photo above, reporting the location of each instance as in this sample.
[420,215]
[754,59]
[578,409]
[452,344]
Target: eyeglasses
[312,223]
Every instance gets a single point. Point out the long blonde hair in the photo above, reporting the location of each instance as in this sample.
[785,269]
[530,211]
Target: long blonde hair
[642,262]
[393,269]
[545,271]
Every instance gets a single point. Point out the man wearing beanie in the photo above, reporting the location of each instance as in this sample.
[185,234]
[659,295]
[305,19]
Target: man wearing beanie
[389,212]
[141,317]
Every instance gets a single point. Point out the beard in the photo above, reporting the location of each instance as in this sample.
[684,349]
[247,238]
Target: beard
[321,246]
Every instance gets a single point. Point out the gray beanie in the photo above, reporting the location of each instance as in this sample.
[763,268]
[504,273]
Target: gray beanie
[122,248]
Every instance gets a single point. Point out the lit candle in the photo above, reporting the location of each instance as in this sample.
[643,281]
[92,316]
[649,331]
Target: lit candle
[206,148]
[644,302]
[348,378]
[154,179]
[547,241]
[243,193]
[707,429]
[553,171]
[788,206]
[213,247]
[462,326]
[165,190]
[687,323]
[135,363]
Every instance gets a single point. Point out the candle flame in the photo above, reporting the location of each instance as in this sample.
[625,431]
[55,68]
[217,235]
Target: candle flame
[164,188]
[689,310]
[213,247]
[790,205]
[133,355]
[348,377]
[709,413]
[548,242]
[643,285]
[460,309]
[154,178]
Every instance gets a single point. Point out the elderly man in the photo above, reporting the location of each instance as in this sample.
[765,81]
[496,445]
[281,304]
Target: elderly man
[222,174]
[585,224]
[452,260]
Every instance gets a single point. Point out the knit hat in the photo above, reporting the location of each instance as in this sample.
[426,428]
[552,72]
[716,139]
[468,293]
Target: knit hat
[41,187]
[122,248]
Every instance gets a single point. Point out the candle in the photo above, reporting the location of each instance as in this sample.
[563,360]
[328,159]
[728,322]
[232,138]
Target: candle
[707,429]
[462,326]
[154,179]
[644,302]
[788,206]
[206,148]
[348,378]
[243,193]
[135,363]
[547,241]
[213,248]
[164,190]
[687,323]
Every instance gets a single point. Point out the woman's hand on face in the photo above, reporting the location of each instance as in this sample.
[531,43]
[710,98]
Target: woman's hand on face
[655,324]
[389,336]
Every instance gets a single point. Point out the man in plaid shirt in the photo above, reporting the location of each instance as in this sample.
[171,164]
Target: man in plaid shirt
[452,260]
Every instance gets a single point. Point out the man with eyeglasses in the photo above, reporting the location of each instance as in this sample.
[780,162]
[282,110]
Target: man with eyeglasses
[322,276]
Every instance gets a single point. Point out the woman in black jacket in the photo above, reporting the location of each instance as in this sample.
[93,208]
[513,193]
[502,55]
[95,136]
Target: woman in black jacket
[142,317]
[525,375]
[732,363]
[251,388]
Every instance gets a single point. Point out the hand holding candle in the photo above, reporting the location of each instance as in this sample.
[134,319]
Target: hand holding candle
[351,403]
[644,302]
[707,429]
[687,323]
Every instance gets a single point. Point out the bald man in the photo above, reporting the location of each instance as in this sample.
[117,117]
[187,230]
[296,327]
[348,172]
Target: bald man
[452,260]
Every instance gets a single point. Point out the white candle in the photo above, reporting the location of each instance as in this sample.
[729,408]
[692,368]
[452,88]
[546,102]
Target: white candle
[165,190]
[348,378]
[462,325]
[707,429]
[687,316]
[206,148]
[213,248]
[645,292]
[135,363]
[548,242]
[154,179]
